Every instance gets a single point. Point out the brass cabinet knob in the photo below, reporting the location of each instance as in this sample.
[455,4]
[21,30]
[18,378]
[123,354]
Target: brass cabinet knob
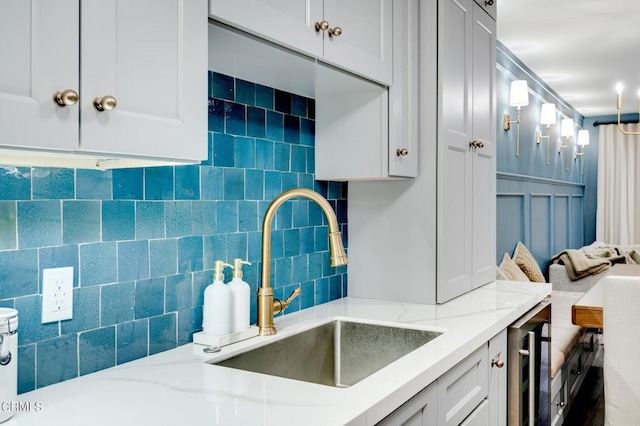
[336,31]
[105,103]
[402,152]
[476,144]
[321,26]
[488,3]
[65,98]
[497,363]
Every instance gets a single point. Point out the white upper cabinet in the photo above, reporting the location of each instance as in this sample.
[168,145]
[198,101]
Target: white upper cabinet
[351,34]
[145,60]
[466,155]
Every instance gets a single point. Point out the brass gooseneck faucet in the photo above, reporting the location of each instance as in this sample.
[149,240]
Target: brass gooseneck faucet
[267,306]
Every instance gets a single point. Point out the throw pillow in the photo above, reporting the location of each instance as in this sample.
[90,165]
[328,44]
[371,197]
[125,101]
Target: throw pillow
[527,263]
[500,275]
[635,256]
[511,270]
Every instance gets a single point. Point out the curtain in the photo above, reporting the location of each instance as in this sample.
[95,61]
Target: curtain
[618,186]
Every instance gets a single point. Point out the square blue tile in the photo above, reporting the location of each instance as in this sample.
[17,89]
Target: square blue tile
[98,264]
[236,246]
[19,273]
[127,184]
[61,361]
[272,184]
[53,183]
[282,101]
[245,153]
[223,150]
[235,119]
[215,248]
[178,219]
[39,224]
[227,216]
[298,105]
[305,180]
[248,216]
[118,220]
[321,239]
[307,240]
[291,129]
[158,183]
[264,96]
[8,303]
[201,280]
[275,126]
[149,220]
[187,183]
[15,183]
[322,291]
[117,302]
[233,184]
[163,257]
[179,292]
[190,254]
[300,269]
[221,86]
[212,183]
[277,244]
[254,184]
[335,190]
[335,287]
[315,266]
[284,272]
[86,306]
[254,249]
[284,216]
[97,350]
[289,181]
[26,368]
[256,122]
[298,159]
[291,242]
[133,260]
[163,333]
[93,184]
[316,217]
[8,225]
[281,156]
[189,322]
[80,222]
[149,298]
[300,213]
[203,217]
[311,160]
[245,92]
[264,154]
[307,296]
[30,321]
[307,132]
[216,115]
[133,340]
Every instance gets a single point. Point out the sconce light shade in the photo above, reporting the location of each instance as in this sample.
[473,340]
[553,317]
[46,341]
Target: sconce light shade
[519,93]
[583,137]
[566,128]
[548,114]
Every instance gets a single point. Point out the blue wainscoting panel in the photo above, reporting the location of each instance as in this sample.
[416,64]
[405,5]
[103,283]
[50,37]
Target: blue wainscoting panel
[546,215]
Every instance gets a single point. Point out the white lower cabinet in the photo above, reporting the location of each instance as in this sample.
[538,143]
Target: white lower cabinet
[472,393]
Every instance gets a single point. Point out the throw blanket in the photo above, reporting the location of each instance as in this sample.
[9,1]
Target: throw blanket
[579,265]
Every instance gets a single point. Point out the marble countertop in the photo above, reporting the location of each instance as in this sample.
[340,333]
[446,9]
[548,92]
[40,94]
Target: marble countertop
[177,387]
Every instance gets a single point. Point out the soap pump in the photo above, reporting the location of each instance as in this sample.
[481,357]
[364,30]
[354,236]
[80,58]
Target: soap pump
[241,294]
[217,310]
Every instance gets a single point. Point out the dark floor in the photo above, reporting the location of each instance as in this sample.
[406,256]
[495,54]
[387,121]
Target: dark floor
[588,407]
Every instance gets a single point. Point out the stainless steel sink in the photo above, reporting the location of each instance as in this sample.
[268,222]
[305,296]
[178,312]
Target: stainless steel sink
[339,353]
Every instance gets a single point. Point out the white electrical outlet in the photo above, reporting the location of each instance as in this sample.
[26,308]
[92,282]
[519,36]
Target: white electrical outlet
[57,294]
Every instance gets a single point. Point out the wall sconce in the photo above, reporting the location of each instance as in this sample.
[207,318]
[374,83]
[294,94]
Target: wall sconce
[566,131]
[619,107]
[518,98]
[547,117]
[583,140]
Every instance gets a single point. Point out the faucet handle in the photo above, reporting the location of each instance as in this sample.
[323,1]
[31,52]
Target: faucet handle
[280,305]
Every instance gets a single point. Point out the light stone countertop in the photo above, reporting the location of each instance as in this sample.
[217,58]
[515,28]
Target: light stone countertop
[177,387]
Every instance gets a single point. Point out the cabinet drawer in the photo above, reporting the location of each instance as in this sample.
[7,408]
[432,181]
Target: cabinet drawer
[559,405]
[574,370]
[463,388]
[479,416]
[489,6]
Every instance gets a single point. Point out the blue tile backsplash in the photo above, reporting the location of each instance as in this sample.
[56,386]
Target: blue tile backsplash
[142,241]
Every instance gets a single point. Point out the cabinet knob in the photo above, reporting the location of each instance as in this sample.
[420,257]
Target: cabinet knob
[65,98]
[402,152]
[576,372]
[497,363]
[488,3]
[336,31]
[105,103]
[560,404]
[476,144]
[321,26]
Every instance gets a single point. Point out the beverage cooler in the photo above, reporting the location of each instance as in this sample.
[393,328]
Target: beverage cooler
[529,359]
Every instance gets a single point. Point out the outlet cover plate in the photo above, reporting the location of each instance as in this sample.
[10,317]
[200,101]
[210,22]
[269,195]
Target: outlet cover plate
[57,294]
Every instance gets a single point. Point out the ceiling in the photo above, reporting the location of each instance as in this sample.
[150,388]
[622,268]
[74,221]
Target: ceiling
[580,48]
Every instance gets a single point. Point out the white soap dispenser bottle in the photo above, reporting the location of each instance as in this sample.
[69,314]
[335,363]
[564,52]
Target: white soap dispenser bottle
[217,310]
[241,297]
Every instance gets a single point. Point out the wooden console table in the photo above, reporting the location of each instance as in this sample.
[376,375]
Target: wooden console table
[587,311]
